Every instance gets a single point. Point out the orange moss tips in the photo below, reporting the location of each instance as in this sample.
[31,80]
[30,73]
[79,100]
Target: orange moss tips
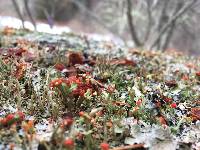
[56,82]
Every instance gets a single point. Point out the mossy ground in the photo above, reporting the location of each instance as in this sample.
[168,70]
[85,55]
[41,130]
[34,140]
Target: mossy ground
[92,92]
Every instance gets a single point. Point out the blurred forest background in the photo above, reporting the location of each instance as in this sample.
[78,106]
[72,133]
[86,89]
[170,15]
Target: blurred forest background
[149,24]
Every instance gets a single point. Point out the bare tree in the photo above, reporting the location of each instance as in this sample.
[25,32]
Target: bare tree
[165,24]
[151,24]
[18,12]
[131,24]
[171,21]
[26,4]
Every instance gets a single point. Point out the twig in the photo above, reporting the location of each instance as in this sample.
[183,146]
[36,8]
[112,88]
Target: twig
[95,17]
[135,146]
[148,31]
[162,20]
[172,27]
[29,13]
[131,25]
[50,19]
[168,36]
[98,83]
[175,17]
[87,42]
[18,12]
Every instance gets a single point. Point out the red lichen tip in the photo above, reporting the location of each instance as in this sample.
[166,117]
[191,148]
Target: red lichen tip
[173,105]
[69,143]
[81,113]
[68,122]
[104,146]
[198,74]
[21,115]
[139,102]
[10,117]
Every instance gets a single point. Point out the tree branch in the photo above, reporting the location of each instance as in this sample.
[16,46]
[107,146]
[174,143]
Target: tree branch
[131,25]
[18,12]
[168,36]
[149,13]
[95,17]
[50,19]
[29,13]
[172,27]
[171,20]
[129,147]
[163,19]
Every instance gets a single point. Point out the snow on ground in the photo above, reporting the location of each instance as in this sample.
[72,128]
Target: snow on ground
[43,27]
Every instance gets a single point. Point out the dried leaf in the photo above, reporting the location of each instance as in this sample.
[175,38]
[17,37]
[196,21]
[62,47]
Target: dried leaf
[123,62]
[74,58]
[60,67]
[171,83]
[195,112]
[8,31]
